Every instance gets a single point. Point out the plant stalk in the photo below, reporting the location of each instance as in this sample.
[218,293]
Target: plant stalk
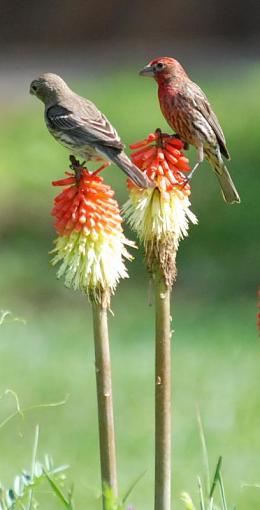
[104,398]
[162,394]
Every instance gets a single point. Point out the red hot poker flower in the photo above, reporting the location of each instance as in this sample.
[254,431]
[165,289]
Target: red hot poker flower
[161,158]
[91,246]
[160,215]
[86,205]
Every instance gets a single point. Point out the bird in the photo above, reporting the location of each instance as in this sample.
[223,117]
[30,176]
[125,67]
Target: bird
[78,125]
[189,113]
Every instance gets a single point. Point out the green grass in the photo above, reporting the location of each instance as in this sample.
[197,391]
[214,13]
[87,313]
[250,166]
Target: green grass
[215,350]
[215,364]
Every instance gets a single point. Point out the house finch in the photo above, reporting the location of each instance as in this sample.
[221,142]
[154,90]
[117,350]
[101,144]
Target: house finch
[77,124]
[188,112]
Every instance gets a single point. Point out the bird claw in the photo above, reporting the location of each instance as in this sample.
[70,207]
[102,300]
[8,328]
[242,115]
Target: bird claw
[193,171]
[77,167]
[186,181]
[75,163]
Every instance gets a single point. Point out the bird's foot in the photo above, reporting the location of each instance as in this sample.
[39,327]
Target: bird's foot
[75,163]
[187,178]
[76,166]
[159,140]
[185,181]
[193,171]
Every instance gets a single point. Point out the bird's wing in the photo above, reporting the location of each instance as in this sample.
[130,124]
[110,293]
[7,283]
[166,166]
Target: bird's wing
[83,122]
[202,104]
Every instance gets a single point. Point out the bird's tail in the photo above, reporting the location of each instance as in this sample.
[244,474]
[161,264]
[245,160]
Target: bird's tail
[229,191]
[228,188]
[139,178]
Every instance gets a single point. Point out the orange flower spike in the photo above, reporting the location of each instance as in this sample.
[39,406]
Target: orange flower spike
[160,170]
[173,159]
[143,161]
[152,136]
[172,150]
[171,166]
[142,143]
[162,183]
[151,153]
[64,182]
[167,172]
[160,154]
[163,212]
[151,174]
[138,160]
[174,142]
[182,164]
[148,162]
[153,168]
[91,246]
[141,152]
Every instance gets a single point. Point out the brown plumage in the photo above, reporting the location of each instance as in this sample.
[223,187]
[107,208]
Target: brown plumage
[188,112]
[77,124]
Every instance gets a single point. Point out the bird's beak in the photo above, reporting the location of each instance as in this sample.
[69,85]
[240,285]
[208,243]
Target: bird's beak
[33,88]
[147,71]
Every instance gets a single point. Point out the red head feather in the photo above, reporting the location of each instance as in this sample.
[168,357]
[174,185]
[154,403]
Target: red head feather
[163,68]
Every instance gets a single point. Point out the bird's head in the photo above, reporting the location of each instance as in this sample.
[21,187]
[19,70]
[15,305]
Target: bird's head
[48,87]
[162,69]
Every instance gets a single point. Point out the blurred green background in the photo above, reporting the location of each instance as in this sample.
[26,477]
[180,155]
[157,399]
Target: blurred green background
[215,345]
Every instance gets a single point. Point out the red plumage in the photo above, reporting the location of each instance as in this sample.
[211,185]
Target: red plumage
[188,112]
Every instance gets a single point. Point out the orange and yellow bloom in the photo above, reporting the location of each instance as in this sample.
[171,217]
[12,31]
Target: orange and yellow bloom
[160,215]
[90,246]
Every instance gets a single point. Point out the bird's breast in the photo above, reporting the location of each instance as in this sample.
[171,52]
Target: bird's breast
[176,113]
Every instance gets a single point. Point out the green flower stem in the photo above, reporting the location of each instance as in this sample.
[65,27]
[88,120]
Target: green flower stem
[104,397]
[162,394]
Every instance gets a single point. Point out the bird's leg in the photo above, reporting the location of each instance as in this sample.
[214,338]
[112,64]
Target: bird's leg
[77,167]
[75,163]
[200,158]
[105,165]
[159,141]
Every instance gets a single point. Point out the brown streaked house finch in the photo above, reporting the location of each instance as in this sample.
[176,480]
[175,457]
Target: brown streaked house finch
[77,124]
[189,114]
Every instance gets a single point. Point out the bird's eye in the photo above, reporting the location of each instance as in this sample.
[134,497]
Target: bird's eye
[159,66]
[34,87]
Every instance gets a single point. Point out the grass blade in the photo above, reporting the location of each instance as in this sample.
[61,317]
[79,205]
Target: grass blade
[205,456]
[216,477]
[34,455]
[222,491]
[132,486]
[201,495]
[57,490]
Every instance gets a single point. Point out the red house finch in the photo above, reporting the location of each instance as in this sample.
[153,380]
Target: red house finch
[77,124]
[188,112]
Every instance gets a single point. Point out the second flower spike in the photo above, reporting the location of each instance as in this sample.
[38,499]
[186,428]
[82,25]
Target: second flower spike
[161,216]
